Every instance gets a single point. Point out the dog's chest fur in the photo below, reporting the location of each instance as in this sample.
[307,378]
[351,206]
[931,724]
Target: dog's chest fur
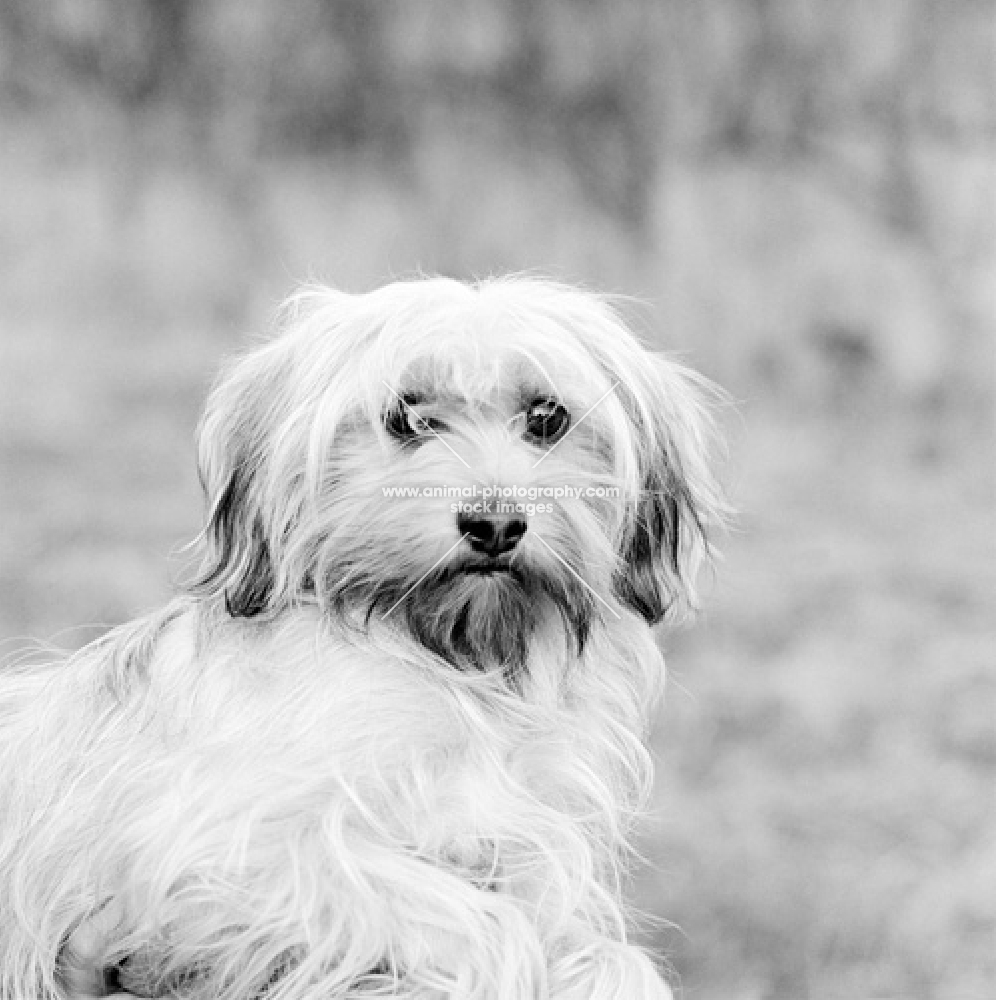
[284,775]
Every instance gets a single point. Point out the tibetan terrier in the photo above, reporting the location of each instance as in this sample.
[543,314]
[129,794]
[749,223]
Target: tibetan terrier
[389,742]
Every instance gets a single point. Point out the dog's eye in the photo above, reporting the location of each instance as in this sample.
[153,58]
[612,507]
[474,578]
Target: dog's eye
[405,422]
[547,421]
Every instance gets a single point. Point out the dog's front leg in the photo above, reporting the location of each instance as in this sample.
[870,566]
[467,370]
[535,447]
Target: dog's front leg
[606,970]
[82,972]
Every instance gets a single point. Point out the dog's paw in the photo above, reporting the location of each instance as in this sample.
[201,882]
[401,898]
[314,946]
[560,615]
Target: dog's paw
[82,973]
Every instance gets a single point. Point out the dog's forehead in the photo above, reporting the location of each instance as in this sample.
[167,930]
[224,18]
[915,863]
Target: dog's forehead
[499,374]
[498,341]
[480,355]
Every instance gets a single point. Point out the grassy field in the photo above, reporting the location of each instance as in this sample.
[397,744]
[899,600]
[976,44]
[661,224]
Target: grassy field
[826,798]
[823,824]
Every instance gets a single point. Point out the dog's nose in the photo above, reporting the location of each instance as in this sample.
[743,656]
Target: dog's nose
[492,534]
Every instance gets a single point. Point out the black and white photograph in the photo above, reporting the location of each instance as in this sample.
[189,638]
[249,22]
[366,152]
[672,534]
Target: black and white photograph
[498,499]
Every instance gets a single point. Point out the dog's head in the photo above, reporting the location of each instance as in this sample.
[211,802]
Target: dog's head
[479,464]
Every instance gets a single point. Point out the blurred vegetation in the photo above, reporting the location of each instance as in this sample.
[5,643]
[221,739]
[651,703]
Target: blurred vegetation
[802,190]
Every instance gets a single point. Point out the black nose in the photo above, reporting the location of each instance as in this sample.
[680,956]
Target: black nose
[492,534]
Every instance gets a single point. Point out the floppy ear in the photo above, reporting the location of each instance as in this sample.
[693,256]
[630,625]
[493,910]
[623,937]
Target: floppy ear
[665,536]
[232,444]
[238,561]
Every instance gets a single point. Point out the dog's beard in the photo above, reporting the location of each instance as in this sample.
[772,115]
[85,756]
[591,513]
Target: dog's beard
[482,617]
[489,620]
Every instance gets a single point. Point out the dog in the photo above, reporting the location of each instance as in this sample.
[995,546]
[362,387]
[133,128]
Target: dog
[389,741]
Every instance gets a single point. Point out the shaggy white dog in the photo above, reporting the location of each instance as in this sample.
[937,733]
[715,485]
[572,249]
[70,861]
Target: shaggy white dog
[389,743]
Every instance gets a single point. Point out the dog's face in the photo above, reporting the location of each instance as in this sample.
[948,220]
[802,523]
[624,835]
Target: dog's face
[480,465]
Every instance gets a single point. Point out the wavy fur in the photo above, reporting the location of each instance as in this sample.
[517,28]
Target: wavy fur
[346,763]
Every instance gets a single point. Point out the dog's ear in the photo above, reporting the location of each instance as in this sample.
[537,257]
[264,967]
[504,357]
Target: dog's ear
[239,563]
[664,536]
[232,445]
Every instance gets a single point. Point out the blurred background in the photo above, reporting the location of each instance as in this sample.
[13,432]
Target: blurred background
[801,192]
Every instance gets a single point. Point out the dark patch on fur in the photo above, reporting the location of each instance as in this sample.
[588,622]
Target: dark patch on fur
[242,564]
[251,593]
[481,621]
[665,517]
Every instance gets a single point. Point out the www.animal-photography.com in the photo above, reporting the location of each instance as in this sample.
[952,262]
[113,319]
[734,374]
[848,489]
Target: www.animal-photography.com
[497,500]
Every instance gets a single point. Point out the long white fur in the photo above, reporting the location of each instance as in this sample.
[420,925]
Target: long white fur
[279,789]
